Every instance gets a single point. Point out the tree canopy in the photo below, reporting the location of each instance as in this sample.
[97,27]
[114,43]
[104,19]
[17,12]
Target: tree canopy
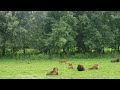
[59,32]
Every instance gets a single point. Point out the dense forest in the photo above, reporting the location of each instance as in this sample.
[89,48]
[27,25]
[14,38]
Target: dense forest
[62,33]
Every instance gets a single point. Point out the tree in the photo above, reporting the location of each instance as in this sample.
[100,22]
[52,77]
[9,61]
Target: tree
[61,39]
[8,24]
[25,19]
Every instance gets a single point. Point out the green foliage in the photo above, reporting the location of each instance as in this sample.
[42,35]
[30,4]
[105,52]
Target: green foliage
[20,52]
[28,51]
[59,32]
[108,54]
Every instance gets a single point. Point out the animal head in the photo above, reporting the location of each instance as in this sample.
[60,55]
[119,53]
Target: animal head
[55,69]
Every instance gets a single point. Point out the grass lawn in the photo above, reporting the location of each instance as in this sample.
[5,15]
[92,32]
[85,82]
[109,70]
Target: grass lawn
[37,69]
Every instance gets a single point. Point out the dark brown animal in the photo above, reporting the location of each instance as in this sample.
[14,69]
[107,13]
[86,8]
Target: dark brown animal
[53,72]
[80,67]
[70,66]
[115,60]
[62,61]
[95,67]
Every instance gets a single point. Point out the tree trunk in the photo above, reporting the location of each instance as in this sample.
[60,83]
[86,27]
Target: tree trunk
[24,50]
[98,50]
[103,51]
[64,53]
[118,48]
[14,49]
[3,47]
[3,50]
[50,54]
[115,43]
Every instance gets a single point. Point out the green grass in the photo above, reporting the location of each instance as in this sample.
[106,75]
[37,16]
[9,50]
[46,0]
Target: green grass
[19,69]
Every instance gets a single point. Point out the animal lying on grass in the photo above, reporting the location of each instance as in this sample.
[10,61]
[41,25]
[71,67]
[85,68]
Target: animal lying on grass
[95,67]
[80,67]
[62,61]
[115,60]
[70,66]
[53,72]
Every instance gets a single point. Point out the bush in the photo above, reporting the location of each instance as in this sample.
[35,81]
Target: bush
[42,56]
[28,51]
[94,55]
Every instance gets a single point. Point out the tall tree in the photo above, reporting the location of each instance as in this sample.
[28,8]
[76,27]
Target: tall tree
[8,24]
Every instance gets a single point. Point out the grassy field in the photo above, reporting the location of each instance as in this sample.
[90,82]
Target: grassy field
[37,69]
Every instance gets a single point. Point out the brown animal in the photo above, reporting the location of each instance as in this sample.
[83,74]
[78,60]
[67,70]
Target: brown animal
[62,61]
[70,66]
[53,72]
[115,60]
[80,67]
[93,67]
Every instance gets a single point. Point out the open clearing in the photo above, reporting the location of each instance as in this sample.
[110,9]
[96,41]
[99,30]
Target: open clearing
[37,69]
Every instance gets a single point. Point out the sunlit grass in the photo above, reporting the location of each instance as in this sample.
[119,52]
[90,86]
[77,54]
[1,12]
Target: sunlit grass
[37,69]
